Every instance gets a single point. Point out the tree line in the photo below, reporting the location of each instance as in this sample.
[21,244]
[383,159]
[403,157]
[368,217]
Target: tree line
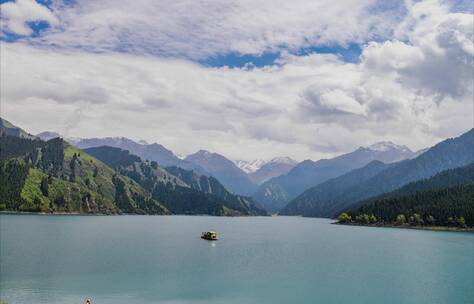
[452,206]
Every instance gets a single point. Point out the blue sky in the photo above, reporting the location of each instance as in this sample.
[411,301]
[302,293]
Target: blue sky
[349,51]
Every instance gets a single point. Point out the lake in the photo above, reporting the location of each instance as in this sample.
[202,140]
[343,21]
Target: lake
[161,259]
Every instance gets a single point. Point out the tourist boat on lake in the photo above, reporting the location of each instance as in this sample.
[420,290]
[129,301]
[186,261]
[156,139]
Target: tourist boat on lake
[209,235]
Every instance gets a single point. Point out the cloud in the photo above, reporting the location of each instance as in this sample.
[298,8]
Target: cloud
[16,15]
[413,89]
[437,56]
[202,29]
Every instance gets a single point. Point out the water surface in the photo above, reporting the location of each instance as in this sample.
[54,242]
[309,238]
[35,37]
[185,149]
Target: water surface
[161,259]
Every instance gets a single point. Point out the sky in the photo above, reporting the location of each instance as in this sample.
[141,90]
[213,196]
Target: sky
[249,79]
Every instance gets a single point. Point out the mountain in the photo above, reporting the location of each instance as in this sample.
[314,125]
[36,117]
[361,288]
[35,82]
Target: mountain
[250,166]
[181,191]
[12,130]
[233,178]
[47,135]
[275,167]
[324,201]
[55,176]
[451,206]
[445,179]
[329,191]
[275,193]
[212,186]
[152,152]
[155,152]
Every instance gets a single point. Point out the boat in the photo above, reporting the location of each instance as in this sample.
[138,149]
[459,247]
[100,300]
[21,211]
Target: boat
[209,235]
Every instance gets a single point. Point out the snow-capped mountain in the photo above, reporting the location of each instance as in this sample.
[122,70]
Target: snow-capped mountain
[231,176]
[384,146]
[388,152]
[276,192]
[250,166]
[273,168]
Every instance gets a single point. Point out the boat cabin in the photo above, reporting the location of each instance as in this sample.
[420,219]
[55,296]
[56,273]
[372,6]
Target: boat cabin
[209,235]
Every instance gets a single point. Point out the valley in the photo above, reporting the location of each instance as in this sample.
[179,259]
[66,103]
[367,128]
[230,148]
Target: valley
[372,185]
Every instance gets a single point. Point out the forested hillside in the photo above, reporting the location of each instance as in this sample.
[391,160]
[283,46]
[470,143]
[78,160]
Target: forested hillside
[445,179]
[181,191]
[320,199]
[330,201]
[453,206]
[54,176]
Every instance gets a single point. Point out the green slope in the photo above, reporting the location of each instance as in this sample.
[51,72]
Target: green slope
[321,198]
[445,179]
[212,186]
[181,191]
[452,206]
[329,201]
[54,176]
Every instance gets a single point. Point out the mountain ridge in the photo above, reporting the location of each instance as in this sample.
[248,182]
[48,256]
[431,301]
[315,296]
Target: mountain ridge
[275,193]
[181,191]
[447,154]
[225,170]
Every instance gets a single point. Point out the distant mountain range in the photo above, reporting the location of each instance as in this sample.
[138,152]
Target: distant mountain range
[250,166]
[231,176]
[235,179]
[273,168]
[55,176]
[119,175]
[275,193]
[155,152]
[47,135]
[180,190]
[271,183]
[331,197]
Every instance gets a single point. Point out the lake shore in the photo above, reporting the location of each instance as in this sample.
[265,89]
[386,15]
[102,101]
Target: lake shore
[6,212]
[430,228]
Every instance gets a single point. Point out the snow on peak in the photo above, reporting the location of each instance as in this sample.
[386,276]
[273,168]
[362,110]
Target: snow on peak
[254,165]
[180,156]
[384,146]
[250,166]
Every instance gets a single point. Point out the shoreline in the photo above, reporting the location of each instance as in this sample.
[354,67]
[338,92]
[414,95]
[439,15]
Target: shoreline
[427,228]
[113,214]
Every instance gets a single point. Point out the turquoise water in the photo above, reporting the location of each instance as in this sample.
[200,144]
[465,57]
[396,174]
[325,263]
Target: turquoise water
[161,259]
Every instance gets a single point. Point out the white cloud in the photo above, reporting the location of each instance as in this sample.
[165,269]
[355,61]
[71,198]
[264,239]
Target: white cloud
[15,15]
[414,89]
[438,54]
[201,29]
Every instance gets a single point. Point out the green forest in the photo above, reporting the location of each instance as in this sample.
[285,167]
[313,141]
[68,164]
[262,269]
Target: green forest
[56,177]
[181,191]
[451,207]
[53,176]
